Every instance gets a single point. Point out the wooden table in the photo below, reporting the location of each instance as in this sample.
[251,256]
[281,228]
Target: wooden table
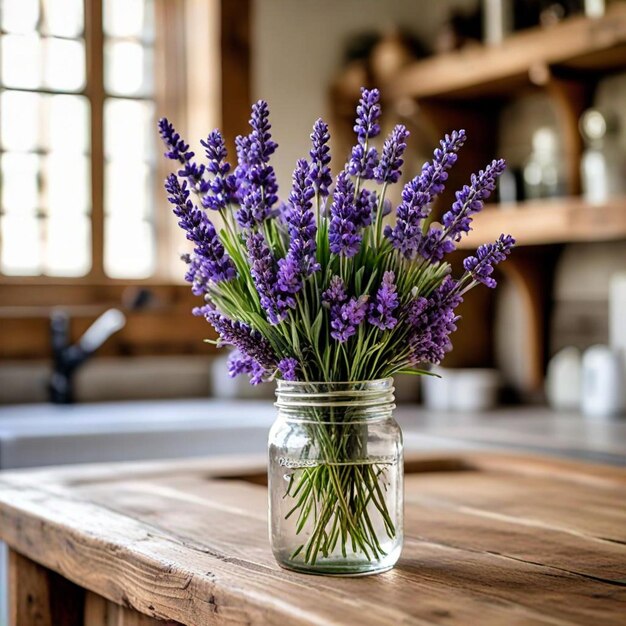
[490,539]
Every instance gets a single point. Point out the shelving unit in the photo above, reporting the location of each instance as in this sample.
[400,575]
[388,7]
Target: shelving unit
[468,89]
[558,220]
[572,48]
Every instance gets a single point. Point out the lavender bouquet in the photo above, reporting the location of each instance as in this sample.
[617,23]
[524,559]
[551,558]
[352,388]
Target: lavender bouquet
[317,288]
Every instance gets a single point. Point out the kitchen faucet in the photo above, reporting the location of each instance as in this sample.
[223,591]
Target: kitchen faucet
[68,358]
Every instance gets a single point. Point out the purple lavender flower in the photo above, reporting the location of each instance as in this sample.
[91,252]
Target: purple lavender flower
[255,178]
[253,209]
[343,234]
[242,147]
[274,302]
[204,310]
[259,121]
[288,276]
[248,341]
[288,367]
[417,195]
[434,246]
[197,275]
[210,262]
[415,310]
[345,315]
[386,302]
[336,292]
[365,207]
[301,257]
[320,158]
[432,321]
[363,162]
[367,114]
[440,241]
[239,363]
[471,199]
[364,159]
[178,150]
[388,170]
[223,186]
[487,256]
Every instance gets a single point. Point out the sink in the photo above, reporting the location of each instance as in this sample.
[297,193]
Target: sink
[42,434]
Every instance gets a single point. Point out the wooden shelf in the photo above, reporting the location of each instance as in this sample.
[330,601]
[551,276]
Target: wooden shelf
[559,220]
[469,89]
[578,44]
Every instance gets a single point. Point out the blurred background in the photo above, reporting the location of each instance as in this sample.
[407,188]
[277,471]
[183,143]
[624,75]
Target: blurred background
[92,302]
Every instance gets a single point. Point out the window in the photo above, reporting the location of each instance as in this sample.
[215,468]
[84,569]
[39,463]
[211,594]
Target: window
[56,219]
[129,133]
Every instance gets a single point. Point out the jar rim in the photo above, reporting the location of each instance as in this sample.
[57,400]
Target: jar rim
[345,383]
[371,395]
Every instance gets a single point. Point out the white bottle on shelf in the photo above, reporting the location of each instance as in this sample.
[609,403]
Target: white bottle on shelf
[594,8]
[543,177]
[617,311]
[603,163]
[617,317]
[602,382]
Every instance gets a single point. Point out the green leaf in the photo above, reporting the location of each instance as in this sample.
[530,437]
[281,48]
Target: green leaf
[317,327]
[295,339]
[371,280]
[358,279]
[415,372]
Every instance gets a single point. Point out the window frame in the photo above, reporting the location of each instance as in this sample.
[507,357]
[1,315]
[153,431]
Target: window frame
[173,97]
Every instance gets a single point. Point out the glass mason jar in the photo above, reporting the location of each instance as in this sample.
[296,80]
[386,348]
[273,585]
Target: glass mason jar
[335,478]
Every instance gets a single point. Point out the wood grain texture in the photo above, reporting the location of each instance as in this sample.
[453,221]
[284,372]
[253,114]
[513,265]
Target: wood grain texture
[490,539]
[101,612]
[94,90]
[40,597]
[236,70]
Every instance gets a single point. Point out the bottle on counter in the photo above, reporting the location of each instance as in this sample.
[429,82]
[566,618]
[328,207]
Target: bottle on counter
[603,163]
[543,176]
[563,380]
[602,393]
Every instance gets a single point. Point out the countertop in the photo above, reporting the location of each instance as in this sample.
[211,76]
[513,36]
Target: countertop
[43,434]
[531,428]
[490,539]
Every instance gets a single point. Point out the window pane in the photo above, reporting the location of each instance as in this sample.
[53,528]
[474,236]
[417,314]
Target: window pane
[67,183]
[31,121]
[19,16]
[19,114]
[127,68]
[65,64]
[128,130]
[128,248]
[20,183]
[63,18]
[127,190]
[21,245]
[21,61]
[68,246]
[68,124]
[129,18]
